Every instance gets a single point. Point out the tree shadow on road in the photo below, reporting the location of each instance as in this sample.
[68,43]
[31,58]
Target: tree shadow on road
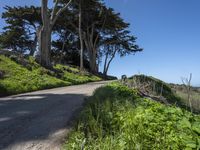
[35,117]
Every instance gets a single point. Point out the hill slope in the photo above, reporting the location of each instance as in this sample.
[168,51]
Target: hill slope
[19,75]
[167,93]
[117,118]
[153,87]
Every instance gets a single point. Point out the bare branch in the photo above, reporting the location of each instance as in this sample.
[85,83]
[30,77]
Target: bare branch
[187,84]
[112,57]
[54,10]
[97,37]
[59,12]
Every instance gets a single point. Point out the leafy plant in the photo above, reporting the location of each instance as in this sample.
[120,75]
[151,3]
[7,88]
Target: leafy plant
[115,117]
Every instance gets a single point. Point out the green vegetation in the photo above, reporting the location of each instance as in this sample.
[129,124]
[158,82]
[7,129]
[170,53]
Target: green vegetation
[91,28]
[18,75]
[173,93]
[115,117]
[74,75]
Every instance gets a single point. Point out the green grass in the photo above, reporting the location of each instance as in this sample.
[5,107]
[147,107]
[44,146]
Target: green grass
[74,75]
[19,78]
[115,117]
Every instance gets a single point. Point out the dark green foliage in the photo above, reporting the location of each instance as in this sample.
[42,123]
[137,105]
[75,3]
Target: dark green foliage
[2,74]
[101,27]
[108,77]
[14,58]
[116,118]
[21,29]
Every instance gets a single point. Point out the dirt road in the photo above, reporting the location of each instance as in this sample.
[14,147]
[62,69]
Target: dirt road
[40,120]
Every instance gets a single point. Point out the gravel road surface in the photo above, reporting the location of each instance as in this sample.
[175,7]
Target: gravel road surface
[40,120]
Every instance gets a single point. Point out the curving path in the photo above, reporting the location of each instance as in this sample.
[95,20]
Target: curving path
[40,120]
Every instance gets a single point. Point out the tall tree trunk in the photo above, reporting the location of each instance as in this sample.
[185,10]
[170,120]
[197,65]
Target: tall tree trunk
[107,47]
[90,59]
[45,36]
[80,36]
[91,43]
[107,65]
[45,46]
[93,61]
[91,53]
[48,22]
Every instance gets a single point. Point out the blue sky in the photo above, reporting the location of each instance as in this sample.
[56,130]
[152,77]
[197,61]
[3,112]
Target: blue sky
[168,30]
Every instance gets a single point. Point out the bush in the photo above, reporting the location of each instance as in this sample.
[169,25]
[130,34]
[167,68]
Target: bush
[3,90]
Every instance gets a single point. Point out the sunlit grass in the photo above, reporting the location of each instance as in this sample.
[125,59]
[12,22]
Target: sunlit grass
[116,118]
[31,77]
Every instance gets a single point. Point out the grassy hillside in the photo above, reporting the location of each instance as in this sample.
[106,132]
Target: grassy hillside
[154,86]
[115,117]
[180,90]
[174,94]
[24,75]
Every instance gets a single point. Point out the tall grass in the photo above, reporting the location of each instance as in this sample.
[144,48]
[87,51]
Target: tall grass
[115,117]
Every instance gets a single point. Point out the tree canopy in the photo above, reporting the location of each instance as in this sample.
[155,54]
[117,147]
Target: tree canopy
[82,30]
